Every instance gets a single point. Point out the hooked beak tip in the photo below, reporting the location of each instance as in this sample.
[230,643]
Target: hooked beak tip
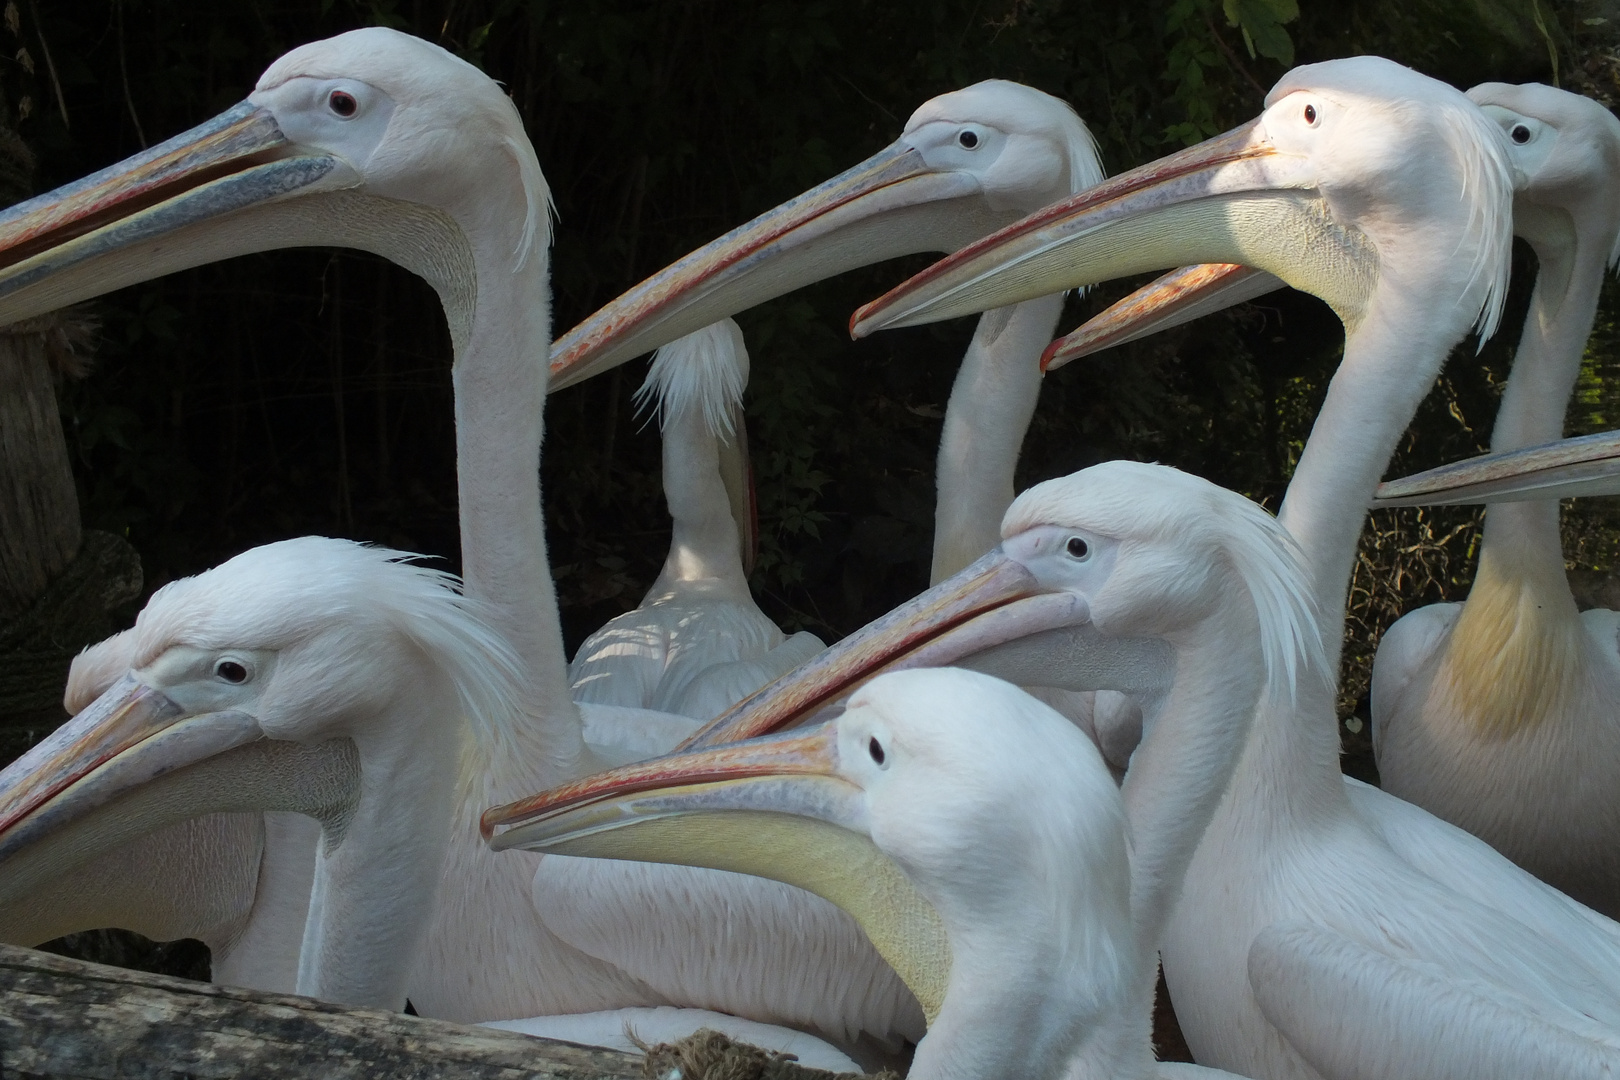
[1050,354]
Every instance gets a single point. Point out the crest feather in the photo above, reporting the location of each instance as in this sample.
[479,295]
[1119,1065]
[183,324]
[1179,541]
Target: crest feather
[276,595]
[706,371]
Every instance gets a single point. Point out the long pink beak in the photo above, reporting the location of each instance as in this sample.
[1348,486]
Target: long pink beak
[1171,300]
[1588,465]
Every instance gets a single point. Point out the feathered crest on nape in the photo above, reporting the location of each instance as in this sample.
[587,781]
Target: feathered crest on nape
[277,594]
[1132,500]
[1488,189]
[706,371]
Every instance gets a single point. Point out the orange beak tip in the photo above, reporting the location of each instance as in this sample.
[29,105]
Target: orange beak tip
[1050,354]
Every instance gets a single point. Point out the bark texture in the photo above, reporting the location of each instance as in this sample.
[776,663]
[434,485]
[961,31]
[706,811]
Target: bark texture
[63,1018]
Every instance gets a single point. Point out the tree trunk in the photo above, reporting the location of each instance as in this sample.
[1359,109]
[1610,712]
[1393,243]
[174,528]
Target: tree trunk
[67,1018]
[57,584]
[39,510]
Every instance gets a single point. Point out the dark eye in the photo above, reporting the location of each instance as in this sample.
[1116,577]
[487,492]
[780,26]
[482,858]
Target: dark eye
[875,748]
[231,671]
[1310,115]
[1520,134]
[968,139]
[342,103]
[1078,548]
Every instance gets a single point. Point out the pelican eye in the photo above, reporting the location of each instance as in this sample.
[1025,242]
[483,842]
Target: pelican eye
[342,103]
[1310,115]
[1520,134]
[969,140]
[875,748]
[1077,547]
[232,671]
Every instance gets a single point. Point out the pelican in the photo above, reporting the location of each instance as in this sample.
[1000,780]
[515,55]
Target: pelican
[335,681]
[967,162]
[312,675]
[378,140]
[1003,885]
[1499,714]
[933,775]
[1493,714]
[697,643]
[1326,929]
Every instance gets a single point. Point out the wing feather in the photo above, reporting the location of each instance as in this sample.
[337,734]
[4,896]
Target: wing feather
[1357,1013]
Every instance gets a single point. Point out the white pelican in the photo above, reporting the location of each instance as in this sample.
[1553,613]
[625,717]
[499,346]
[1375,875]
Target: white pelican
[383,670]
[1500,714]
[1495,714]
[1000,884]
[312,675]
[698,643]
[378,140]
[968,162]
[1326,929]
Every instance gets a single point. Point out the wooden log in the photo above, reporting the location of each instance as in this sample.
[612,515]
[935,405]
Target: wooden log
[69,1019]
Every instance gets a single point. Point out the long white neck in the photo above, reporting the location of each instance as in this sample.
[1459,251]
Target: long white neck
[500,387]
[1545,368]
[378,868]
[1391,359]
[1190,747]
[703,545]
[1039,980]
[991,405]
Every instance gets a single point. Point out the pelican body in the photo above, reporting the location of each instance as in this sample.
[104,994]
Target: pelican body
[1499,714]
[697,643]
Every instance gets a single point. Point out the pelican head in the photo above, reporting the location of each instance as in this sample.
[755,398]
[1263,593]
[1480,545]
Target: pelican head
[968,162]
[365,140]
[1565,154]
[312,675]
[1566,150]
[982,821]
[1359,176]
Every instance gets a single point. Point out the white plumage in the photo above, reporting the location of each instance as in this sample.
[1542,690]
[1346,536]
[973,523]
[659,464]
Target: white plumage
[1326,930]
[697,643]
[431,169]
[1499,714]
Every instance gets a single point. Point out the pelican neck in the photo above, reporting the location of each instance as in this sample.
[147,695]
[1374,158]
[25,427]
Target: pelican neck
[500,377]
[1546,366]
[703,545]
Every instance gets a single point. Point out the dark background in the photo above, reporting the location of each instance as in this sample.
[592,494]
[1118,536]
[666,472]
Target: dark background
[308,391]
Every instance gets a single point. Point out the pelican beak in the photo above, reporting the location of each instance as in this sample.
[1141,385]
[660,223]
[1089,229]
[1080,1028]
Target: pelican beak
[1233,199]
[140,219]
[128,736]
[774,807]
[994,617]
[889,205]
[740,776]
[1175,298]
[1589,465]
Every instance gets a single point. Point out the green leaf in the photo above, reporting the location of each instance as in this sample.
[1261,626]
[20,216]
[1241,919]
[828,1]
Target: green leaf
[1262,24]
